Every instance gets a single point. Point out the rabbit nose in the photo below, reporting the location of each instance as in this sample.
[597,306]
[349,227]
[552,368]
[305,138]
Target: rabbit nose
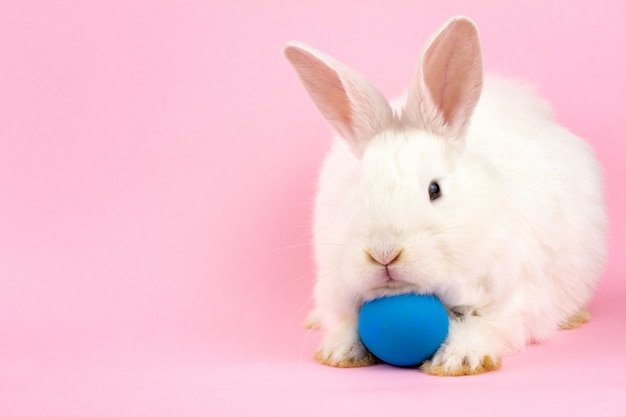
[384,257]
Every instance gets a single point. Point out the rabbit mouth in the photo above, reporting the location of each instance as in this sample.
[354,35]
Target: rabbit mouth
[389,281]
[392,287]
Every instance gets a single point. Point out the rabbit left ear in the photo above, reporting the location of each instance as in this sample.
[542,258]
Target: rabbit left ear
[448,81]
[346,99]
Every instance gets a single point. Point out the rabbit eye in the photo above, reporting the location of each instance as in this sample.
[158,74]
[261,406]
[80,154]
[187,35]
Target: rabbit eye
[434,191]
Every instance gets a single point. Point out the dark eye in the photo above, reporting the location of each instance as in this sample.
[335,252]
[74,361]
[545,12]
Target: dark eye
[434,191]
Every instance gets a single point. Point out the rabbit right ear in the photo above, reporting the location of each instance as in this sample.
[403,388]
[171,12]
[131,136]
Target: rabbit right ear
[346,99]
[448,81]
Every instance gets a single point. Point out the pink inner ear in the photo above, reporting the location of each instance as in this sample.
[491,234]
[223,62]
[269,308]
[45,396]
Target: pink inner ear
[453,70]
[325,88]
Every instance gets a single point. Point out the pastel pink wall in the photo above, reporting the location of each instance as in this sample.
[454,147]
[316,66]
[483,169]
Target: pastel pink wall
[158,161]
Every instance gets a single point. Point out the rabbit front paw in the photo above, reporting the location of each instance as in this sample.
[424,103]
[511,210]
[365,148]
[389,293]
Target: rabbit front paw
[470,349]
[445,364]
[342,348]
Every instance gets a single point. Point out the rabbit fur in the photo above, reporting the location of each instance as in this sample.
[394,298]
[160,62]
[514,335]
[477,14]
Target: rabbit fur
[465,188]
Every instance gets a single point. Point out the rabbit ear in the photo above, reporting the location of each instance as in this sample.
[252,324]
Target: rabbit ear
[348,101]
[448,81]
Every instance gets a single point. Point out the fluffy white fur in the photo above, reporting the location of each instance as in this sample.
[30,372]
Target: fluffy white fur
[514,245]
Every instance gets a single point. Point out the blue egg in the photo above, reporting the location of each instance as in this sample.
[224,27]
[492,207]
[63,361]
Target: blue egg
[403,330]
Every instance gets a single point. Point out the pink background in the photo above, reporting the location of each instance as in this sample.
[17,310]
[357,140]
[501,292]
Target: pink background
[157,169]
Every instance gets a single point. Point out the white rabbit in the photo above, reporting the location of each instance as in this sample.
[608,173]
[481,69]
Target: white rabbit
[467,190]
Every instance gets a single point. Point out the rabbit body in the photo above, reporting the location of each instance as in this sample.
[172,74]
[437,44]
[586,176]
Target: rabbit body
[483,200]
